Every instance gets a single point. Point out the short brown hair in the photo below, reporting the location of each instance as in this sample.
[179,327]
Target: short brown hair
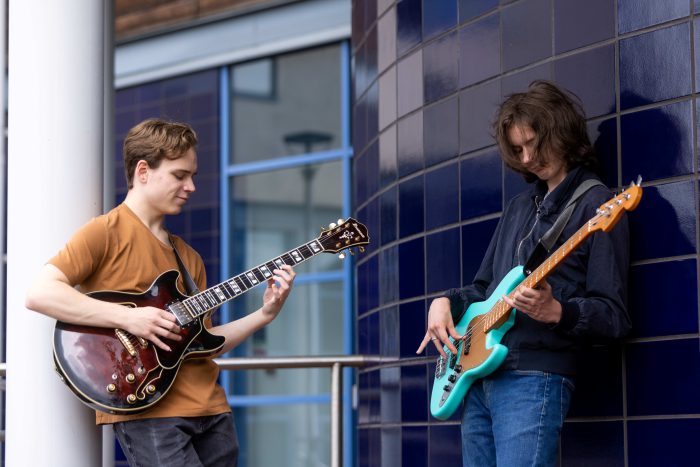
[556,117]
[155,139]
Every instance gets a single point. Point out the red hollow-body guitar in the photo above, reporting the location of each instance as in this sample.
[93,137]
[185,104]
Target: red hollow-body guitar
[116,372]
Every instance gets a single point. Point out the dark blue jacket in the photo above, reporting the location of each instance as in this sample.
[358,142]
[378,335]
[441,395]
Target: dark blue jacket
[591,284]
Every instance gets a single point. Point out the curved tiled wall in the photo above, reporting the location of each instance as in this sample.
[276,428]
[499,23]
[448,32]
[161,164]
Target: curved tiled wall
[430,186]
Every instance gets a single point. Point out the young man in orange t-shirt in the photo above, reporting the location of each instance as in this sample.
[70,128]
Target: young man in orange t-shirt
[125,250]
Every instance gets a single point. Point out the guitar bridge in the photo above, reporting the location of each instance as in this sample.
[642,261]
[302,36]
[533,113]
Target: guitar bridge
[440,367]
[126,342]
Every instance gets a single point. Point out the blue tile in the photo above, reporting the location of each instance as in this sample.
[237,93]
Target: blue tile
[368,334]
[359,125]
[388,275]
[664,222]
[372,111]
[390,394]
[590,75]
[603,135]
[361,279]
[469,9]
[475,240]
[477,109]
[388,164]
[388,214]
[677,279]
[696,6]
[655,66]
[411,269]
[480,45]
[481,185]
[372,221]
[389,335]
[412,317]
[410,146]
[391,445]
[373,283]
[410,83]
[598,383]
[663,377]
[440,132]
[663,442]
[409,24]
[655,135]
[443,255]
[372,56]
[358,22]
[577,24]
[414,393]
[519,82]
[414,450]
[440,68]
[531,19]
[584,444]
[438,17]
[636,14]
[359,166]
[441,196]
[411,207]
[696,41]
[445,445]
[125,97]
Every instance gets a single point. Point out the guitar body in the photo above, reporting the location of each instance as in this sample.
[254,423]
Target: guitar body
[478,355]
[116,372]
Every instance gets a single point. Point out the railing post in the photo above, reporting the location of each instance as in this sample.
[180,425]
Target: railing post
[336,415]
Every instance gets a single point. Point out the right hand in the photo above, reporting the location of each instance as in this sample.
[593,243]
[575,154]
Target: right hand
[153,324]
[440,327]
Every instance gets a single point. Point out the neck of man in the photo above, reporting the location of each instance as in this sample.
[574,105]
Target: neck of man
[151,218]
[554,181]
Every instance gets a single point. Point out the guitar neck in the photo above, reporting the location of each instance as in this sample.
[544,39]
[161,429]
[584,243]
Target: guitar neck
[215,296]
[501,309]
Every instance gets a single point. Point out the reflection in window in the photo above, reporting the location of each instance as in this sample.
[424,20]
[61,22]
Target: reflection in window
[300,109]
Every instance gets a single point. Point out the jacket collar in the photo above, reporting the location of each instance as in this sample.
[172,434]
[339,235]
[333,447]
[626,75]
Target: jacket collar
[552,202]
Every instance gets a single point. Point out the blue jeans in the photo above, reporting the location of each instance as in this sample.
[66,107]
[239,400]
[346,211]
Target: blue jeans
[179,441]
[514,418]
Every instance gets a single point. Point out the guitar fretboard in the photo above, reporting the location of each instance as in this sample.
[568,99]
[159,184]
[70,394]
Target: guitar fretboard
[501,309]
[198,304]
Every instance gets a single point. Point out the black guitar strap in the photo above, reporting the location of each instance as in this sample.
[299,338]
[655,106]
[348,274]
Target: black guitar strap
[189,283]
[550,237]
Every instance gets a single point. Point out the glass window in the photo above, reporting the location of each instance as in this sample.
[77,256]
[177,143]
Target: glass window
[285,105]
[287,435]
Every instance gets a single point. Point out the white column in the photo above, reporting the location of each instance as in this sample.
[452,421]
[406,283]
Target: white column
[54,186]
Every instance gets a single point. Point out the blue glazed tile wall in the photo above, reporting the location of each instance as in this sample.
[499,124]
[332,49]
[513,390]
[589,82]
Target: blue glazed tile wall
[429,183]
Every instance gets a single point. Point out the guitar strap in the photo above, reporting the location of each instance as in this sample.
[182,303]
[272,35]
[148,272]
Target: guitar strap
[189,283]
[550,237]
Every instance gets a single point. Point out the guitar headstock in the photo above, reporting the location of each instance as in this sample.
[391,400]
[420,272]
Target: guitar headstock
[343,235]
[610,212]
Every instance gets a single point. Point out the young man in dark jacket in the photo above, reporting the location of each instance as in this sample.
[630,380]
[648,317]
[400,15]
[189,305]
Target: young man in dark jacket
[514,416]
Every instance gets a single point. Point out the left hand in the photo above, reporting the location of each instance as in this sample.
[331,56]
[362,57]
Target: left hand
[539,304]
[277,291]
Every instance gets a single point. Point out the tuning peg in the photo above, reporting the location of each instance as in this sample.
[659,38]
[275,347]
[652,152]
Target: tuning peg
[341,256]
[639,180]
[340,221]
[332,225]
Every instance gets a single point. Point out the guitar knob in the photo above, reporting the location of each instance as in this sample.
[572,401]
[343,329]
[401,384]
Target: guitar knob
[141,370]
[111,387]
[130,378]
[131,399]
[151,389]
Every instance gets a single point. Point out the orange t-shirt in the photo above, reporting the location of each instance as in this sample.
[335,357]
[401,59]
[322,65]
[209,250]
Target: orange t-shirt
[116,251]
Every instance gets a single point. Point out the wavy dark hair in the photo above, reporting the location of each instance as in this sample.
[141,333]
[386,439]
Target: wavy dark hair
[153,140]
[556,117]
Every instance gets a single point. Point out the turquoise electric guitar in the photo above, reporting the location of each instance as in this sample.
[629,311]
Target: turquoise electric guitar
[479,352]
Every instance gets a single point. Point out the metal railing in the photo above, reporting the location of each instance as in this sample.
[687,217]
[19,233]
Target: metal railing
[336,363]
